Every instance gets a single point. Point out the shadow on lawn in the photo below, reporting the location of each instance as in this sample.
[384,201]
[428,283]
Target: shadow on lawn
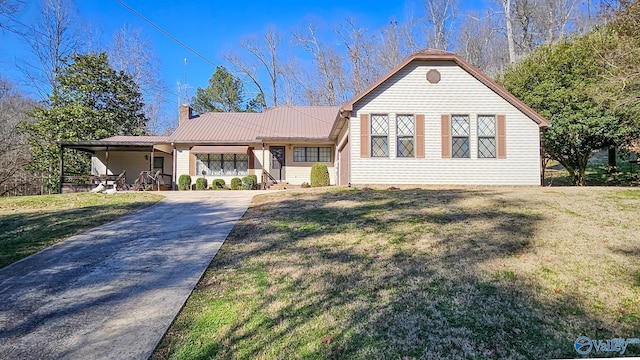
[70,299]
[25,233]
[407,280]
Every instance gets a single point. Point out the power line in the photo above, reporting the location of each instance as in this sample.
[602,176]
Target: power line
[205,58]
[165,32]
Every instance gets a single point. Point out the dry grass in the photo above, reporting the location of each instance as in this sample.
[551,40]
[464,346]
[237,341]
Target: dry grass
[419,273]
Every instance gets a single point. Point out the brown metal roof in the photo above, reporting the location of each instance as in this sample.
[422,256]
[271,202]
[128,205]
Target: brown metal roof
[439,55]
[204,149]
[137,139]
[313,122]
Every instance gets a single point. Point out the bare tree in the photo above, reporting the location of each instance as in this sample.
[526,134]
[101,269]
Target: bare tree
[480,43]
[441,16]
[508,20]
[266,53]
[410,31]
[52,37]
[14,153]
[7,9]
[555,16]
[361,55]
[328,85]
[526,24]
[131,53]
[293,80]
[392,51]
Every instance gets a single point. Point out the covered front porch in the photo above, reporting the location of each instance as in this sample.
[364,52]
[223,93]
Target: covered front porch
[129,163]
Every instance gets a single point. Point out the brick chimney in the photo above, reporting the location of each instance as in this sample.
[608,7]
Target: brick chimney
[184,114]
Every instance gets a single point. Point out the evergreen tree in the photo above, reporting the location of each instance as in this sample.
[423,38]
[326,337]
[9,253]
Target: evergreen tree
[561,81]
[91,101]
[225,93]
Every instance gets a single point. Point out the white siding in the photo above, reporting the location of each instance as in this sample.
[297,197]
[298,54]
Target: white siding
[408,92]
[182,164]
[182,161]
[296,173]
[133,162]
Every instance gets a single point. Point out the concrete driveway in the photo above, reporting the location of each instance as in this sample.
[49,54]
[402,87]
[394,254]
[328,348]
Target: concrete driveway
[112,292]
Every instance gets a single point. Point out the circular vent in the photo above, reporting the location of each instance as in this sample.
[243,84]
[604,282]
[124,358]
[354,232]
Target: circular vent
[433,76]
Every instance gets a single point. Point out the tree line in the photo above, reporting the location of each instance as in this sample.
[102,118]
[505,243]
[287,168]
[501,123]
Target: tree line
[588,87]
[79,91]
[84,91]
[315,63]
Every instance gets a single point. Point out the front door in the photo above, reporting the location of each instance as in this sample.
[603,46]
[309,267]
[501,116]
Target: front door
[277,162]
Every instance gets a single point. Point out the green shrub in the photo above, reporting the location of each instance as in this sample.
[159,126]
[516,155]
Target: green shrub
[217,184]
[250,182]
[201,184]
[319,175]
[184,182]
[236,183]
[255,181]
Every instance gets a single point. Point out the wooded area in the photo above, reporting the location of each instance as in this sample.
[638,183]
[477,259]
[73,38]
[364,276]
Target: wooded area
[520,42]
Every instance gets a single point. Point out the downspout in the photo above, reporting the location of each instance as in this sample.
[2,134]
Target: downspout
[542,165]
[175,167]
[264,182]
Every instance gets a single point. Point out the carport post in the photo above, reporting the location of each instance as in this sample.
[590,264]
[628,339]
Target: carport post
[151,161]
[106,167]
[61,169]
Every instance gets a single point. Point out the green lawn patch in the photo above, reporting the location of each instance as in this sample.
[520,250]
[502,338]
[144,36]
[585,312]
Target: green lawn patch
[597,172]
[32,223]
[418,273]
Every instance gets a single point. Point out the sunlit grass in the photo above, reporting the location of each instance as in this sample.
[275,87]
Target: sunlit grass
[418,273]
[32,223]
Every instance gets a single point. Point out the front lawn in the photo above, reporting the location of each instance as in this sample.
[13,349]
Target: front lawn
[419,273]
[31,223]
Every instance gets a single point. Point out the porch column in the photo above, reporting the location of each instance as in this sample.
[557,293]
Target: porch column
[151,161]
[151,170]
[263,178]
[106,165]
[61,169]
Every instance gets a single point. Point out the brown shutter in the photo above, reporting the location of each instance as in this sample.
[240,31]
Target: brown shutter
[252,161]
[420,136]
[445,123]
[364,136]
[192,164]
[502,136]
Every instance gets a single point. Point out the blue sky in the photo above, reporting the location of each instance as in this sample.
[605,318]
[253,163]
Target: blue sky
[210,27]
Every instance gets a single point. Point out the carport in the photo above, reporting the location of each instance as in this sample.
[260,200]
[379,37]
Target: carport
[126,156]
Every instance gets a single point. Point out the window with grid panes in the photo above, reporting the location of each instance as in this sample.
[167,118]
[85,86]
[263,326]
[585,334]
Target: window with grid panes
[460,136]
[379,135]
[406,129]
[486,136]
[312,154]
[299,154]
[222,164]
